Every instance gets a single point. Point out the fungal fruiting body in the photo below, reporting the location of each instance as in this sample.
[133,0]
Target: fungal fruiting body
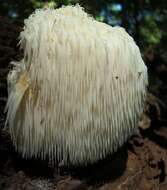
[77,94]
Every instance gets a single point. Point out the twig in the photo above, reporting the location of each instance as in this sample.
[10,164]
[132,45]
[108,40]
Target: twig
[128,179]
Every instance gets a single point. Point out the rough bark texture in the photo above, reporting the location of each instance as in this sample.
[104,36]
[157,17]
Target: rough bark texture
[141,164]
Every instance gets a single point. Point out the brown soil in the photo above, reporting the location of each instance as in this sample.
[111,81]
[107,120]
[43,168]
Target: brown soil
[141,164]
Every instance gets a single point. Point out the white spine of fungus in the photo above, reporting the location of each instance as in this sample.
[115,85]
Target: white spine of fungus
[78,92]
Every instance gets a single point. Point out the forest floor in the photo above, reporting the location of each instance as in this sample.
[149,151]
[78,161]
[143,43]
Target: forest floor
[141,164]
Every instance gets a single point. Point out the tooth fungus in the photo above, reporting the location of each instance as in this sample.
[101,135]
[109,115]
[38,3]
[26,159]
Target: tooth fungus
[79,90]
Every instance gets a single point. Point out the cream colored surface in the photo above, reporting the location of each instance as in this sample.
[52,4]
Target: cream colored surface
[78,92]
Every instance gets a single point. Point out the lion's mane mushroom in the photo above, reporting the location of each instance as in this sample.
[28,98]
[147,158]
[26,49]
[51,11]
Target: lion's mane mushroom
[78,92]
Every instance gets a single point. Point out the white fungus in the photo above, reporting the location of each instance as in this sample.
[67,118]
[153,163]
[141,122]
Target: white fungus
[77,94]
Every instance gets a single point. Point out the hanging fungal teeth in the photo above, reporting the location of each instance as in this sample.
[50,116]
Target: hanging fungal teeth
[77,94]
